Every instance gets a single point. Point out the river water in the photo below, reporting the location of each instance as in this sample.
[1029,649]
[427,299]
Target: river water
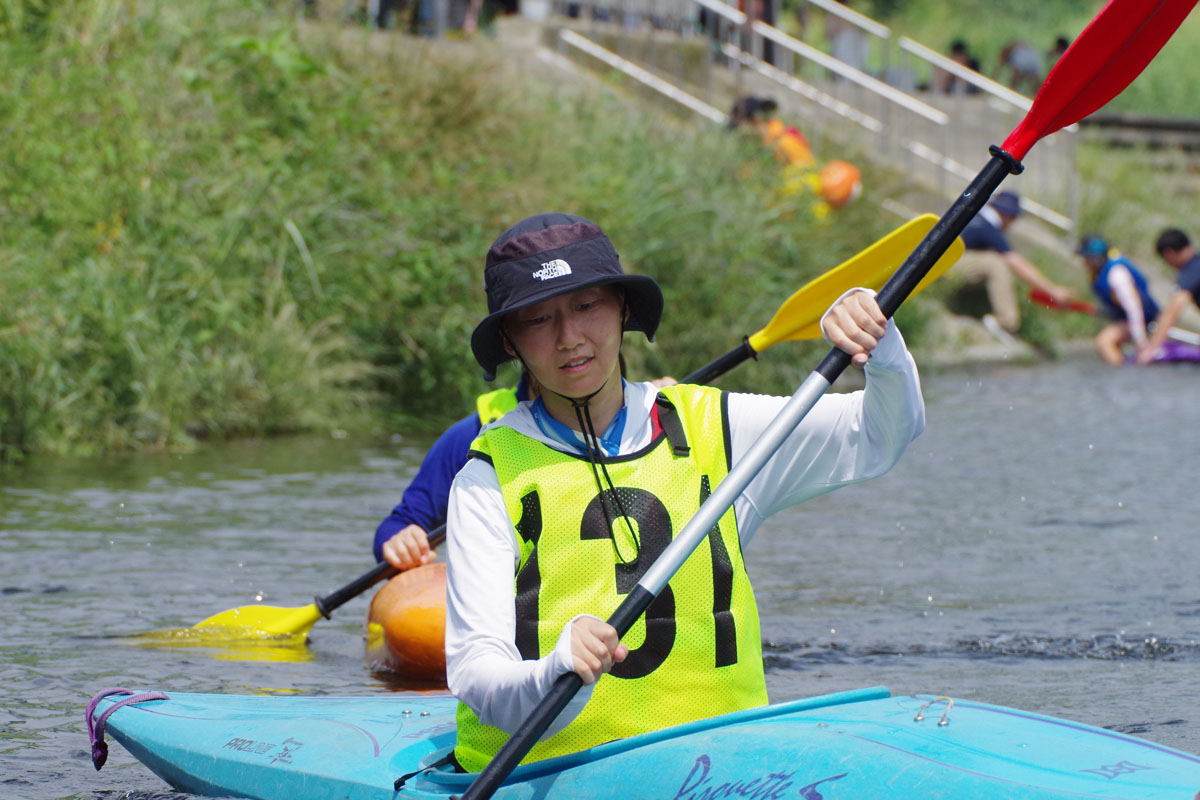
[1036,547]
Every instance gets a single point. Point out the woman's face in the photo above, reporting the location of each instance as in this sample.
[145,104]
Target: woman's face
[570,342]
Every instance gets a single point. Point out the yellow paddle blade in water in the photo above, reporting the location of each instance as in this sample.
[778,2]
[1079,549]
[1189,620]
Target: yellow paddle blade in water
[230,644]
[263,621]
[800,316]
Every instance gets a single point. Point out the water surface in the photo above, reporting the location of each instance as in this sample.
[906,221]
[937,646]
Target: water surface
[1036,548]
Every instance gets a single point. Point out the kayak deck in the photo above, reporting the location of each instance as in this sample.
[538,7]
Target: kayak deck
[860,744]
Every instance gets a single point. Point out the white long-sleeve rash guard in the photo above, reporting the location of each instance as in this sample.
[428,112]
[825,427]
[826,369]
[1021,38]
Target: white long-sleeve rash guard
[1121,281]
[844,439]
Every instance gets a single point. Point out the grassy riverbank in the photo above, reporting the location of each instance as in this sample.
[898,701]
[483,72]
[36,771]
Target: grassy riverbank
[215,224]
[221,221]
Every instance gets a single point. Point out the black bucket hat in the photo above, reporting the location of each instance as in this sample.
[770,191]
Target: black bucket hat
[546,255]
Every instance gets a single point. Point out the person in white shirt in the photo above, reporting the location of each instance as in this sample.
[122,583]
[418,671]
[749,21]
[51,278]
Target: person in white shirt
[568,499]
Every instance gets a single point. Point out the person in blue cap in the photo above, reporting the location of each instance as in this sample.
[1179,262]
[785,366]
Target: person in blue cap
[991,260]
[1124,297]
[567,500]
[1175,248]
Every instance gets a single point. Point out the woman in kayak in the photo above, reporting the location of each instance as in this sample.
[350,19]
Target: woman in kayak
[568,499]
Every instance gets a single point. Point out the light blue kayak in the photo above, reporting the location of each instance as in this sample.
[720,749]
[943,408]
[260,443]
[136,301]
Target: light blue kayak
[861,745]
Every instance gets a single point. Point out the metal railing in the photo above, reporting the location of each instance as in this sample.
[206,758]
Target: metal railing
[930,135]
[992,109]
[646,78]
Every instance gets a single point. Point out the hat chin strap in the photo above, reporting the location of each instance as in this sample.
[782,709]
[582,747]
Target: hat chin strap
[578,402]
[591,441]
[595,457]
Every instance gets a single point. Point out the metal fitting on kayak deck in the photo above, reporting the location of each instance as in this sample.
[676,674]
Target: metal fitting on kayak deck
[920,717]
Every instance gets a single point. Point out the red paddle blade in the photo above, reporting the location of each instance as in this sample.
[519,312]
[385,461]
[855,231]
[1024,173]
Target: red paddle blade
[1044,298]
[1112,50]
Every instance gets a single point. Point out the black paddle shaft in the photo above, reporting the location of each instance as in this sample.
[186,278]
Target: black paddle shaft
[380,572]
[565,687]
[722,364]
[931,248]
[894,292]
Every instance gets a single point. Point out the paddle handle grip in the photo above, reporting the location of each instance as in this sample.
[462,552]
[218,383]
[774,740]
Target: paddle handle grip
[721,364]
[380,572]
[931,248]
[565,687]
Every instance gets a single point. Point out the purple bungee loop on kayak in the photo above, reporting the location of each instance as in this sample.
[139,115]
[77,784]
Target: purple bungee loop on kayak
[96,726]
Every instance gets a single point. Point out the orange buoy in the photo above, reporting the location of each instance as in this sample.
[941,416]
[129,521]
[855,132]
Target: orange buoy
[839,183]
[406,624]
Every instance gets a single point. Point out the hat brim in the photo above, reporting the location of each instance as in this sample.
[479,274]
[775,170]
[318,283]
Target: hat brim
[643,298]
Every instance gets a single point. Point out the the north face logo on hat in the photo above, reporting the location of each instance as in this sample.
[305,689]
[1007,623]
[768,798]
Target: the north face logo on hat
[553,269]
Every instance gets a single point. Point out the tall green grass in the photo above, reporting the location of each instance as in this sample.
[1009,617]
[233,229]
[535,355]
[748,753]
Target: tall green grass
[217,222]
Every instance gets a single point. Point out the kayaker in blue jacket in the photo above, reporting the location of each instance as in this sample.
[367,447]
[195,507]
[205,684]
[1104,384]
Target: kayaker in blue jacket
[1124,297]
[402,538]
[568,499]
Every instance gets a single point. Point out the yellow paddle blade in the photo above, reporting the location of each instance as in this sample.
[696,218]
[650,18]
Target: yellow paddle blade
[250,621]
[800,315]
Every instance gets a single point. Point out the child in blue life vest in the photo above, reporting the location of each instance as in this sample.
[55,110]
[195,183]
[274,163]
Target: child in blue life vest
[568,499]
[1124,297]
